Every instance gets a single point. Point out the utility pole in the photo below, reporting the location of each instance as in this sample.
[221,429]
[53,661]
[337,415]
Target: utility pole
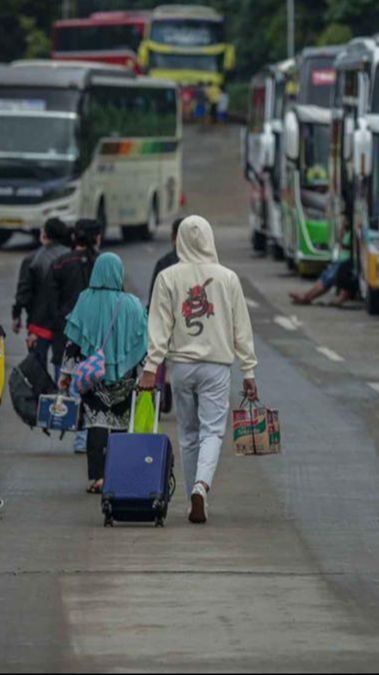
[66,9]
[291,28]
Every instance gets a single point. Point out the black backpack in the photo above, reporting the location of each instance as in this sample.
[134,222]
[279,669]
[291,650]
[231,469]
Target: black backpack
[26,384]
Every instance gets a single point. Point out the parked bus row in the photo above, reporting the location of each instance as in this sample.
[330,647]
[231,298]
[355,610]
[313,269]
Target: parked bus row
[311,158]
[184,43]
[84,140]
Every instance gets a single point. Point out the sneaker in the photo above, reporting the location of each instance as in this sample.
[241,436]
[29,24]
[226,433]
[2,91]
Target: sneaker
[199,502]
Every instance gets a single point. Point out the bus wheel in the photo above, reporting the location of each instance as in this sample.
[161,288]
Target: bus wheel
[290,263]
[372,301]
[277,252]
[5,235]
[148,230]
[259,242]
[102,218]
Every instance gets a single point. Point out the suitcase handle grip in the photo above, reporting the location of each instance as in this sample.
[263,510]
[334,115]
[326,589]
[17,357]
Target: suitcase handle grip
[157,405]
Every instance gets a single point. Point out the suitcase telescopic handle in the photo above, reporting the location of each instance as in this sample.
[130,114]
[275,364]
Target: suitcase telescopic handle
[157,405]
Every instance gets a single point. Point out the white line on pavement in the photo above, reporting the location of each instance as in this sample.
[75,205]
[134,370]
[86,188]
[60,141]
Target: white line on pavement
[252,303]
[330,354]
[374,386]
[286,322]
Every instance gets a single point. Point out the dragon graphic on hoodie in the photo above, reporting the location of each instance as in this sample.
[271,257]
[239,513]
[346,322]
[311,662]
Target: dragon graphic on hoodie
[196,307]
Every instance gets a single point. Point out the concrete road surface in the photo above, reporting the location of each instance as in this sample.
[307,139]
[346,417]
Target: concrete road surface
[285,577]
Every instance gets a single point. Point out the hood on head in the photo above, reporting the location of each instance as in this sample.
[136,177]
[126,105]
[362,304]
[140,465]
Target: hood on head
[195,242]
[108,273]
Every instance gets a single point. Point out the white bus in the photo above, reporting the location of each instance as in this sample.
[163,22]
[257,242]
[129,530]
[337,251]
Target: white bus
[78,140]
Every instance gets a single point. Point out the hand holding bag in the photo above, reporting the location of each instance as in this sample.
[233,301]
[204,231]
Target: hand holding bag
[91,372]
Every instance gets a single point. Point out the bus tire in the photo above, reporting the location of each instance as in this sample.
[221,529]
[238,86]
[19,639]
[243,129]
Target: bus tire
[148,229]
[101,218]
[277,252]
[259,242]
[372,301]
[5,236]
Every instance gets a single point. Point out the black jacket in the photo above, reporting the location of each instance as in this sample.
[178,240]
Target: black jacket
[31,293]
[163,263]
[68,277]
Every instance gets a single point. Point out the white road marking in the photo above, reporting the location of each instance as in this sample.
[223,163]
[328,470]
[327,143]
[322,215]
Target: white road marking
[252,303]
[296,321]
[286,322]
[330,354]
[374,386]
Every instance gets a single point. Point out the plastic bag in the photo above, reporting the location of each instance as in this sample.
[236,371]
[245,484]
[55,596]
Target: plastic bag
[145,414]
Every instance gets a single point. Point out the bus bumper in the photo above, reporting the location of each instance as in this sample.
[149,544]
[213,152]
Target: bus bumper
[22,218]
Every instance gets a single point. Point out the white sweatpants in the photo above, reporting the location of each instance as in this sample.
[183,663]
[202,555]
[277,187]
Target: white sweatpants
[201,396]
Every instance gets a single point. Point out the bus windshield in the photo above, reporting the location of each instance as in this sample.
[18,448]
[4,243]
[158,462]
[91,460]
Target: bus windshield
[201,62]
[98,38]
[44,136]
[187,32]
[315,156]
[317,81]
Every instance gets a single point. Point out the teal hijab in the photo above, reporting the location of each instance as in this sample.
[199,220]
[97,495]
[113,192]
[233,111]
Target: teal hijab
[89,323]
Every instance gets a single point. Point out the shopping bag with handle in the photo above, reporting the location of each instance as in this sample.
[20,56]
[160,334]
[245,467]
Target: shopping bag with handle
[256,430]
[145,413]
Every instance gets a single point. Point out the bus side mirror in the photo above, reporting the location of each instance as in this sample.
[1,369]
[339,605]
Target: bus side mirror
[292,136]
[230,58]
[268,141]
[143,55]
[363,149]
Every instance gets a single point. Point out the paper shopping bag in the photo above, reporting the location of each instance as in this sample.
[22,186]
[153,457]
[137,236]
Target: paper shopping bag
[256,431]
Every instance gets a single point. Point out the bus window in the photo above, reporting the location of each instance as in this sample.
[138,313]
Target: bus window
[135,112]
[315,156]
[39,98]
[317,81]
[187,32]
[97,38]
[375,93]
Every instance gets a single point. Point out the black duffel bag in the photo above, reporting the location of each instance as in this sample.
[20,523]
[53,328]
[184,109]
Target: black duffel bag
[26,384]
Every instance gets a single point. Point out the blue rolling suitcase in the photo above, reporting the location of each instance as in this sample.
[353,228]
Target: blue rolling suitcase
[139,475]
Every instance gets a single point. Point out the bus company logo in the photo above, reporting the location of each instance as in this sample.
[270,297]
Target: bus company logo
[325,77]
[149,460]
[58,409]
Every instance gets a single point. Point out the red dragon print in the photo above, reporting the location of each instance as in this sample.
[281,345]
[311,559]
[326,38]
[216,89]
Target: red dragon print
[197,306]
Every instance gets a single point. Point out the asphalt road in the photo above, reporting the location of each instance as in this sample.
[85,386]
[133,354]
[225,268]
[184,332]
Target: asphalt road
[285,577]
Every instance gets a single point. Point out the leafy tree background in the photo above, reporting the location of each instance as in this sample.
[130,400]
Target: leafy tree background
[257,27]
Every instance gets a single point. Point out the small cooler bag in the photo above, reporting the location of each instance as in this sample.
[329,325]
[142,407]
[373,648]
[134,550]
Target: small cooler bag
[59,413]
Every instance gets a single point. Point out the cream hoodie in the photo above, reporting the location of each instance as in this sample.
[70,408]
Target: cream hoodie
[198,312]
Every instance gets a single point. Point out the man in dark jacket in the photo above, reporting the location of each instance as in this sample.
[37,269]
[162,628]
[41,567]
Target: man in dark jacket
[69,275]
[31,293]
[169,259]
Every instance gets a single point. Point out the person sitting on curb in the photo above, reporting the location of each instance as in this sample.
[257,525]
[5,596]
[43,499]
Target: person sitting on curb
[333,276]
[199,320]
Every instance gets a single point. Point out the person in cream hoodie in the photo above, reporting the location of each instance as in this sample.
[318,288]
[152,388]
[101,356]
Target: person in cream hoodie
[199,321]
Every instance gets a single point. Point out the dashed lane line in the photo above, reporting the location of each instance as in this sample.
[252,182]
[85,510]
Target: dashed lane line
[374,386]
[330,354]
[287,322]
[253,304]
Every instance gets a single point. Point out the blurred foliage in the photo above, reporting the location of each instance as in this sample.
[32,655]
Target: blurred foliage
[238,92]
[257,27]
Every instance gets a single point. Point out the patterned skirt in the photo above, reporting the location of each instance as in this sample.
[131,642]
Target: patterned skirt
[108,406]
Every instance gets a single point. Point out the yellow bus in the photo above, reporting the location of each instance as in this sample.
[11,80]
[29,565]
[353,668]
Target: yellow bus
[187,44]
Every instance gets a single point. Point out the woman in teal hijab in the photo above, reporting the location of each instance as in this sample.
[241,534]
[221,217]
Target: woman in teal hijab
[106,317]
